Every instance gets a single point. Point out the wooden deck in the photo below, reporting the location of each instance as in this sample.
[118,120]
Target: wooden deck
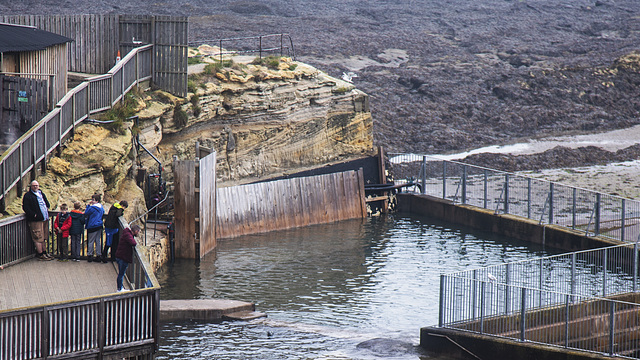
[34,282]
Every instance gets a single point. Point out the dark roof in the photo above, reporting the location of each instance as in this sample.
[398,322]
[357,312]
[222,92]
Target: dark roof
[27,38]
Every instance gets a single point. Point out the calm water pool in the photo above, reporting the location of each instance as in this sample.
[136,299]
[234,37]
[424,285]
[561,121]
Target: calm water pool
[328,290]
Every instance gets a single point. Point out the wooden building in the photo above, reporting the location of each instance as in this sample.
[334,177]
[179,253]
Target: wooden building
[33,74]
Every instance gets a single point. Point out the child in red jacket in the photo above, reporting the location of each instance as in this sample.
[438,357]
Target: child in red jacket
[62,226]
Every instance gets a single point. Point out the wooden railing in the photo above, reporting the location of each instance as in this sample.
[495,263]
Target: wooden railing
[15,241]
[115,325]
[94,95]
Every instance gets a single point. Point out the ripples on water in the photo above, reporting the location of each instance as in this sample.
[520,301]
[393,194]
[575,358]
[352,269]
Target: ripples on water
[327,288]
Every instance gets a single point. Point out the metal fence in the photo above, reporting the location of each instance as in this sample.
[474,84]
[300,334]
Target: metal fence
[94,95]
[557,300]
[547,202]
[280,44]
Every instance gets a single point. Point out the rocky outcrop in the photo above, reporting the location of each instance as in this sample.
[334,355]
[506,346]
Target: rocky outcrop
[262,121]
[95,160]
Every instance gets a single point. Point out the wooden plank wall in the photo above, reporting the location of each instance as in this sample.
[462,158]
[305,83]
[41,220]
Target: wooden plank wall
[207,199]
[185,208]
[95,38]
[170,58]
[49,61]
[289,203]
[23,115]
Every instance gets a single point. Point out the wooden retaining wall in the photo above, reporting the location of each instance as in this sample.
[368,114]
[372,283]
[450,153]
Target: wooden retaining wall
[283,204]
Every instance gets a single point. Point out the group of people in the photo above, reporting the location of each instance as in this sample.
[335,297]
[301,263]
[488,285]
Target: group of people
[71,224]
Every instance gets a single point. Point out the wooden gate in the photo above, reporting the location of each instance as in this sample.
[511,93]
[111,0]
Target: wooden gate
[206,223]
[23,102]
[168,34]
[195,206]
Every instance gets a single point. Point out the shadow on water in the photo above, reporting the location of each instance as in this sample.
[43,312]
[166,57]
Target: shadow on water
[358,289]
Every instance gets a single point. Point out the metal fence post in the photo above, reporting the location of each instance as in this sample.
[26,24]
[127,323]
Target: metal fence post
[597,219]
[485,188]
[635,267]
[506,193]
[523,312]
[604,272]
[566,322]
[573,275]
[474,295]
[464,184]
[623,219]
[441,306]
[528,198]
[444,179]
[550,203]
[424,175]
[482,296]
[540,282]
[573,211]
[612,324]
[507,288]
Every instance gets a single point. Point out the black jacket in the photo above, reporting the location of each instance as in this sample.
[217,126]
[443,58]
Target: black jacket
[112,217]
[77,222]
[31,207]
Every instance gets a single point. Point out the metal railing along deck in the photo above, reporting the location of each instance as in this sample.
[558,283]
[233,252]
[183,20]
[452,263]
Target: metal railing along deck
[557,300]
[122,323]
[97,94]
[593,212]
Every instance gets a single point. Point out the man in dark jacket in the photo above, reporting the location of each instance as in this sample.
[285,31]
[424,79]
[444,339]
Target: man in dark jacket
[111,229]
[124,253]
[36,210]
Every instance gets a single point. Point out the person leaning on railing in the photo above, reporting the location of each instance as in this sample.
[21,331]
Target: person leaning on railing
[111,229]
[36,211]
[124,253]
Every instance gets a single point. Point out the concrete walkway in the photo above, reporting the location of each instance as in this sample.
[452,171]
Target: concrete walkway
[207,309]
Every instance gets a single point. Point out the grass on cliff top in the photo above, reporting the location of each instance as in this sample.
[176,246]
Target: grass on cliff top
[120,112]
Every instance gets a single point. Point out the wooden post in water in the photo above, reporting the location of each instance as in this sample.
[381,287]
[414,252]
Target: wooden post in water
[382,175]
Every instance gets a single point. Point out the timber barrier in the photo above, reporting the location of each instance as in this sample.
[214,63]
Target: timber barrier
[288,203]
[110,326]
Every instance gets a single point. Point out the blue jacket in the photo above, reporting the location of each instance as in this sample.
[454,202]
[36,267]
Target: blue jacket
[94,214]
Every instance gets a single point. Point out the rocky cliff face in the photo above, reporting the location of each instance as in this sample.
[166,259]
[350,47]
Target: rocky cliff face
[262,121]
[95,160]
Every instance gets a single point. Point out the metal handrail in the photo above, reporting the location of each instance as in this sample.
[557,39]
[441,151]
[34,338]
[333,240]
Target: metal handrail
[529,300]
[525,196]
[259,48]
